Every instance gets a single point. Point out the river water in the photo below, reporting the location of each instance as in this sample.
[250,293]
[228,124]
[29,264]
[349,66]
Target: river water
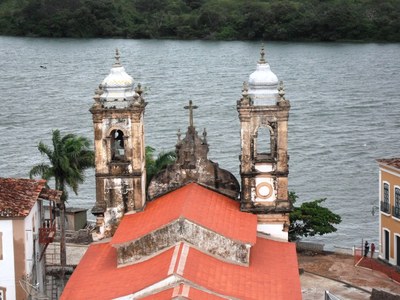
[345,108]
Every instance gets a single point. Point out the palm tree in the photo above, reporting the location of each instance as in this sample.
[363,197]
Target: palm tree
[69,157]
[153,166]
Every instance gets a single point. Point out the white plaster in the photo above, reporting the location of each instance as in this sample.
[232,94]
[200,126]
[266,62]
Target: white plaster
[166,283]
[263,85]
[274,231]
[396,245]
[182,259]
[32,224]
[7,278]
[185,290]
[268,180]
[395,173]
[264,167]
[111,215]
[117,87]
[173,260]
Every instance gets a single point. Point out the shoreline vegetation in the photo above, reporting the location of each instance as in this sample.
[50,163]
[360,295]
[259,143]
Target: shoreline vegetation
[273,20]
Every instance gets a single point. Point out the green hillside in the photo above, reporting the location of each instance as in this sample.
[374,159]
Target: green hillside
[323,20]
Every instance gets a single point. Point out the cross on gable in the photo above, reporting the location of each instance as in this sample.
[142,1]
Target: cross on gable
[190,107]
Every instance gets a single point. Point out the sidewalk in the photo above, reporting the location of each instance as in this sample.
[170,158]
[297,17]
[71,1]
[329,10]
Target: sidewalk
[338,274]
[377,265]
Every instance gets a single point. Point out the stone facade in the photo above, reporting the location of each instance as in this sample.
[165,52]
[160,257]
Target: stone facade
[119,150]
[192,165]
[183,230]
[264,159]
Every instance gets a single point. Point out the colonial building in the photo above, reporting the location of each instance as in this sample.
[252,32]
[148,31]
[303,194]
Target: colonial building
[263,113]
[24,235]
[197,236]
[119,149]
[389,216]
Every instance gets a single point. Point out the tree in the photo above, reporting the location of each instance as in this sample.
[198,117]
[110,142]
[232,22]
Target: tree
[153,166]
[69,157]
[310,219]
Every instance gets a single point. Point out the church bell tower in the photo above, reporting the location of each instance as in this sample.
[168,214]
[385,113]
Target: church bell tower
[119,149]
[263,113]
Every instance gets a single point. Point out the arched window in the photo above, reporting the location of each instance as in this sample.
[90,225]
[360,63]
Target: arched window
[117,145]
[263,141]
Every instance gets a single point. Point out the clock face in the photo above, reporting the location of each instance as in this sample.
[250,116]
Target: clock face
[264,190]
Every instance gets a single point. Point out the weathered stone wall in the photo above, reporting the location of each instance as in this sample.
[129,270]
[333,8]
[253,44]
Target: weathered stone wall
[120,177]
[183,230]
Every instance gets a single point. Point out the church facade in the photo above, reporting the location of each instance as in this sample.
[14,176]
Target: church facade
[263,113]
[194,234]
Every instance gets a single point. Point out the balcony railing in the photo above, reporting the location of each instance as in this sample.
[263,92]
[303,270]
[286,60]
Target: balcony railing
[385,207]
[47,232]
[396,211]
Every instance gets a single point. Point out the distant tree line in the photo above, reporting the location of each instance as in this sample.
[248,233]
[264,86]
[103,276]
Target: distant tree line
[316,20]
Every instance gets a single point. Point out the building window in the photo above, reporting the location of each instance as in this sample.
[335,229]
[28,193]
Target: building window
[385,204]
[396,207]
[2,293]
[1,247]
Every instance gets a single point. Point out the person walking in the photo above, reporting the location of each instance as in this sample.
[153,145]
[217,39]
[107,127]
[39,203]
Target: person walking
[366,248]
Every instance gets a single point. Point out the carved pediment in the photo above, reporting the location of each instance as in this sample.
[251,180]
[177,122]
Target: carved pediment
[183,230]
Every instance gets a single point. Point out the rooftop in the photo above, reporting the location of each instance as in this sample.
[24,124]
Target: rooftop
[18,196]
[193,202]
[273,267]
[391,162]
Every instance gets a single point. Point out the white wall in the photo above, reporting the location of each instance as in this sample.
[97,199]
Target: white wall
[32,224]
[7,271]
[274,231]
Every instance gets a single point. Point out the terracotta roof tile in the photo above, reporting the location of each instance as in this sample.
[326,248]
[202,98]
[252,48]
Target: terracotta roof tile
[97,276]
[197,204]
[183,290]
[52,195]
[18,196]
[272,274]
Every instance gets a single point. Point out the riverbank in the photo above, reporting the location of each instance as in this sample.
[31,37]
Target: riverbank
[204,19]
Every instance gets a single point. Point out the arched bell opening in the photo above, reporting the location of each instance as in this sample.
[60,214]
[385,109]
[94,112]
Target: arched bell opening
[264,144]
[117,145]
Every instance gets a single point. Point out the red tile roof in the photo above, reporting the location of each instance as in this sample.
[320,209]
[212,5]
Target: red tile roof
[183,290]
[18,196]
[51,195]
[195,203]
[97,276]
[183,270]
[392,162]
[272,274]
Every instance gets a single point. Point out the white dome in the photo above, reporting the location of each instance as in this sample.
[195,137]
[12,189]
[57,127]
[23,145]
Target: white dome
[118,85]
[263,84]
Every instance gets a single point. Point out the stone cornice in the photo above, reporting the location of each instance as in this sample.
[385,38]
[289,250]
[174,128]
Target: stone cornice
[182,230]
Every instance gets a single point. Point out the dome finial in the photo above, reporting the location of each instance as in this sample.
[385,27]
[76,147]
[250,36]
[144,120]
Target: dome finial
[245,89]
[262,55]
[205,136]
[281,91]
[178,134]
[117,57]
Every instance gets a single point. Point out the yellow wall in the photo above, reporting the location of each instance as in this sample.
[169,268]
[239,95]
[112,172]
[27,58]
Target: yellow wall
[388,222]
